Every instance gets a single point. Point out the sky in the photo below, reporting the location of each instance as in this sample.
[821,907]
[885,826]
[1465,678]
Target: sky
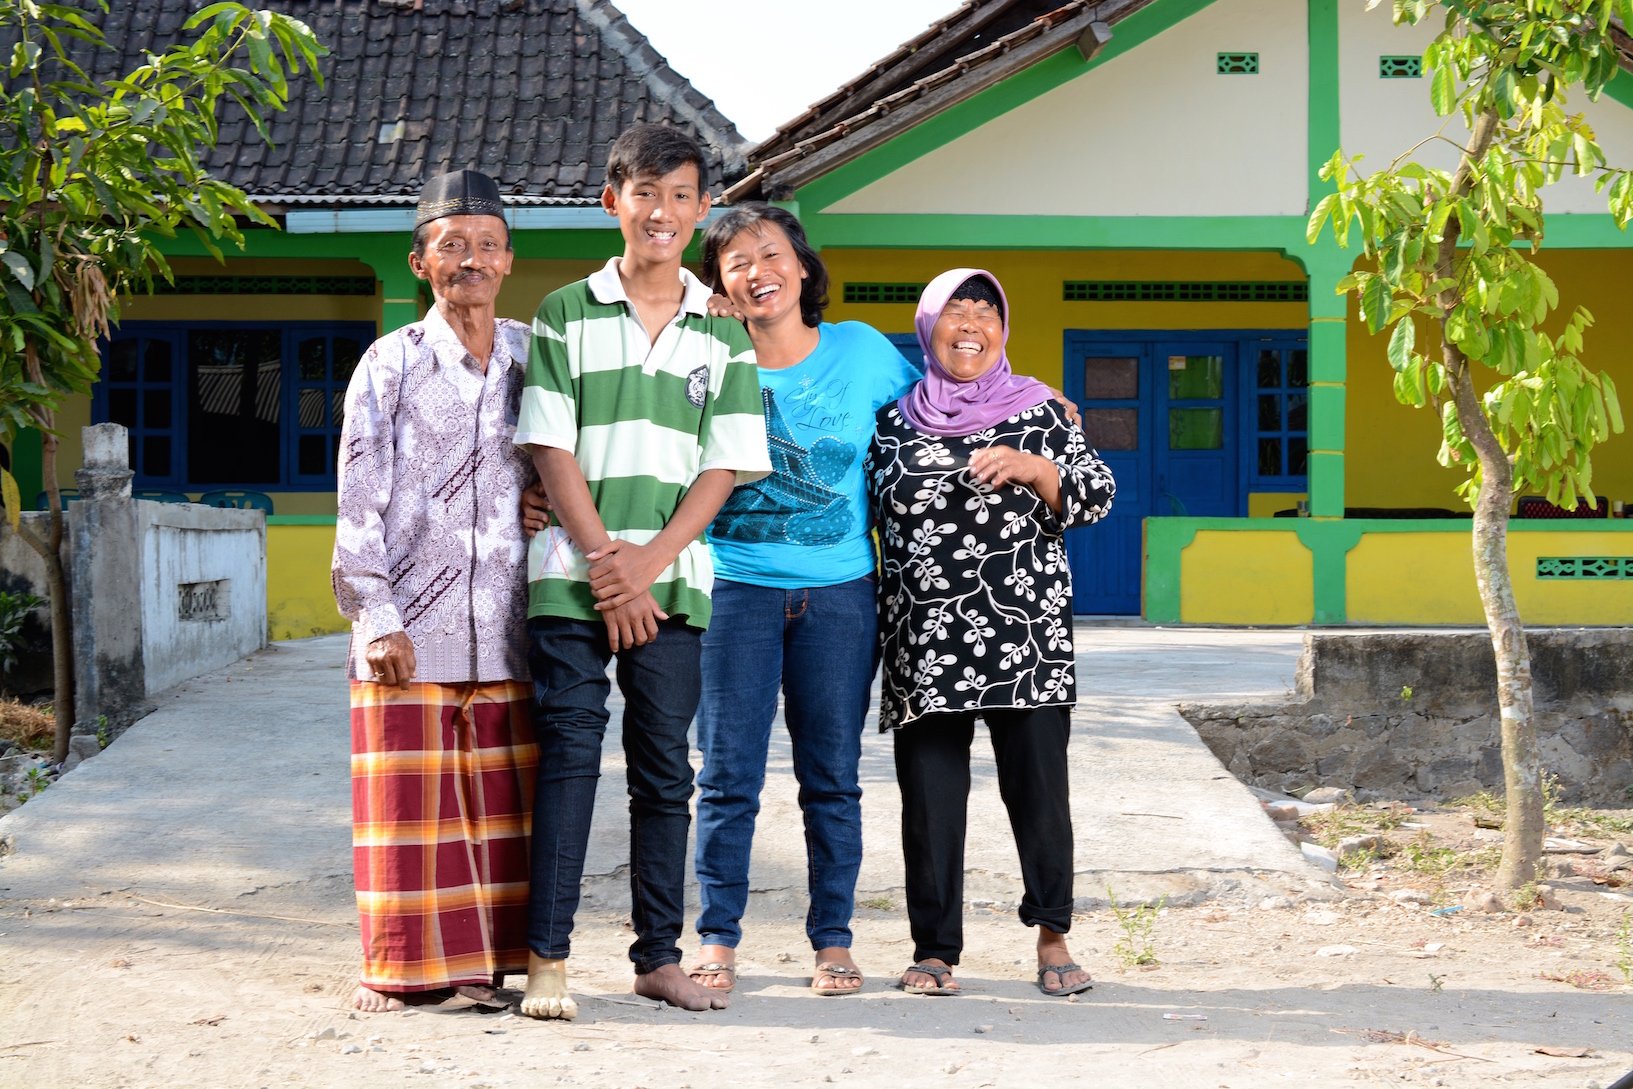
[763,62]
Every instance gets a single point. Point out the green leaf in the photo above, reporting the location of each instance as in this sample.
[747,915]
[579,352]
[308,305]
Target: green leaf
[20,268]
[1400,344]
[1375,303]
[1443,90]
[10,496]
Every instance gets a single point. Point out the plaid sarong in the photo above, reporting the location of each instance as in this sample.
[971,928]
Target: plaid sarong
[442,800]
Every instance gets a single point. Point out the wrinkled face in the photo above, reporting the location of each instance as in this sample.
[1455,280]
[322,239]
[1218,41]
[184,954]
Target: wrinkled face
[658,215]
[761,274]
[968,338]
[466,259]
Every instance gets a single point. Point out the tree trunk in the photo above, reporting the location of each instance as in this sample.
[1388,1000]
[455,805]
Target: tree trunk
[62,631]
[1524,827]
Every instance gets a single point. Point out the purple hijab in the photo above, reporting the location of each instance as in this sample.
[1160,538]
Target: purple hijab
[939,404]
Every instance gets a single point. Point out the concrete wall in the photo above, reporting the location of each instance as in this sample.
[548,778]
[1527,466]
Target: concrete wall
[1409,715]
[203,594]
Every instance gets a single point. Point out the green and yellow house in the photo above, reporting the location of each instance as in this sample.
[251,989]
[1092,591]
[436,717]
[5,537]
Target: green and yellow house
[1138,173]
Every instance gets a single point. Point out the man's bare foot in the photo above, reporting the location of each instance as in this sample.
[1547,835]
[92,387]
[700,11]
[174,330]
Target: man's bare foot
[368,1000]
[670,984]
[1058,974]
[836,973]
[546,996]
[716,967]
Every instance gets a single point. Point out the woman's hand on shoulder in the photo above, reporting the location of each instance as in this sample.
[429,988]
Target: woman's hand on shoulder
[722,307]
[1067,405]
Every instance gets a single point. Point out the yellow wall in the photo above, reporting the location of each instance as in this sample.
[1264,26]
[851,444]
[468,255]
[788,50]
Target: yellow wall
[300,601]
[1390,448]
[1246,578]
[1428,578]
[1032,281]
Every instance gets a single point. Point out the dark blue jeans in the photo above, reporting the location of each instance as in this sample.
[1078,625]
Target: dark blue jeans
[816,645]
[659,681]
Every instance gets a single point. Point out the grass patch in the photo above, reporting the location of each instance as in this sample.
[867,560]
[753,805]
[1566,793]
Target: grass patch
[1331,825]
[1566,820]
[1424,856]
[25,725]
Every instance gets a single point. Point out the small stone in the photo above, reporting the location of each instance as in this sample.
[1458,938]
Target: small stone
[863,1051]
[1280,813]
[1410,896]
[351,1049]
[1327,796]
[1351,844]
[983,1029]
[1484,900]
[1314,852]
[1335,951]
[581,1046]
[427,1066]
[327,1034]
[1275,903]
[1322,918]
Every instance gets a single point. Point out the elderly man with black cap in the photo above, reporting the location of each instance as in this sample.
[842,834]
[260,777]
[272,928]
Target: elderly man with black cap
[431,567]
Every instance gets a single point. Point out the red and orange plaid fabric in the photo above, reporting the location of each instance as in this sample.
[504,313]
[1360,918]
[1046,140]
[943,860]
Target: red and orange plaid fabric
[442,801]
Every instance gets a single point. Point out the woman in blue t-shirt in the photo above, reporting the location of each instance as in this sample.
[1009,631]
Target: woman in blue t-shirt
[794,593]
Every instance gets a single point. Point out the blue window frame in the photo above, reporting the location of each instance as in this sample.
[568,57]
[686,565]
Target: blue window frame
[1280,413]
[230,404]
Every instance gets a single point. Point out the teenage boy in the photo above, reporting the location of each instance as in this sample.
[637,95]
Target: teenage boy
[641,413]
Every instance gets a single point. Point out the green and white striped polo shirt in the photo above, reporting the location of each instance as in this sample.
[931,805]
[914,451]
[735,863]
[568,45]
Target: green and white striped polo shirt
[642,422]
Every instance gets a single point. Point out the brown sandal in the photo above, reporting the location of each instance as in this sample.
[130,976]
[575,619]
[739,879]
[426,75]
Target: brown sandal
[829,969]
[714,968]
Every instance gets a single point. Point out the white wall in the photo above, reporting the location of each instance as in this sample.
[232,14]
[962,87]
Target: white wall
[1156,131]
[189,544]
[1384,117]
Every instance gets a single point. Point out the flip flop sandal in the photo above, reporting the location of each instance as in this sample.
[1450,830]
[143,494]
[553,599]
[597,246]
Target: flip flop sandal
[832,970]
[714,968]
[937,973]
[1060,971]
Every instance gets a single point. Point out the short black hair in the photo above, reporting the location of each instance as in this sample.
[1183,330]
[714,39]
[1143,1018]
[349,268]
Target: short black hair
[813,292]
[653,151]
[418,244]
[979,289]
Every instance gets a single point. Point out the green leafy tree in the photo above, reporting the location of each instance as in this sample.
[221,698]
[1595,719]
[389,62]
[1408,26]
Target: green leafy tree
[1453,251]
[93,175]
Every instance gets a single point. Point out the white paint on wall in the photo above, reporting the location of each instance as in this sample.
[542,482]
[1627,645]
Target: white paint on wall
[1155,131]
[185,545]
[1384,118]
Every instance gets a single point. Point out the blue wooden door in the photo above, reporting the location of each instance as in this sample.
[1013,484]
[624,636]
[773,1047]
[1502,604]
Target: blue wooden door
[1162,411]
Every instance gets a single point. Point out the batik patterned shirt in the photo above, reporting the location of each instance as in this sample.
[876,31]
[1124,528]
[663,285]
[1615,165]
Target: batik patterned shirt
[975,595]
[429,539]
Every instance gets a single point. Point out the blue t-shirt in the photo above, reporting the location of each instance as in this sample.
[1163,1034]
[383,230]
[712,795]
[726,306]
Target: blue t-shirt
[807,523]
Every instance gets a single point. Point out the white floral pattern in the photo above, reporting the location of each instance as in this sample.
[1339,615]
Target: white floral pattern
[975,595]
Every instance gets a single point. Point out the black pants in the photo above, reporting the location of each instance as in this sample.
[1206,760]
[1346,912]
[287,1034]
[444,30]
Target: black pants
[933,771]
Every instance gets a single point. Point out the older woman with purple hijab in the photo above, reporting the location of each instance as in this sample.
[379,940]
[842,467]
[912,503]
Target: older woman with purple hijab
[976,474]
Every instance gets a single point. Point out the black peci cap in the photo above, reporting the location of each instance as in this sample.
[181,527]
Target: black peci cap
[459,193]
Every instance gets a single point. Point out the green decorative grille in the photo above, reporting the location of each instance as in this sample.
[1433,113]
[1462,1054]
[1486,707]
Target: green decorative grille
[268,285]
[883,293]
[1238,64]
[1400,67]
[1585,567]
[1295,291]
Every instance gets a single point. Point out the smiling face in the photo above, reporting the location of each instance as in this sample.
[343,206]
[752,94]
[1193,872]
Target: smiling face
[968,338]
[658,214]
[465,259]
[762,275]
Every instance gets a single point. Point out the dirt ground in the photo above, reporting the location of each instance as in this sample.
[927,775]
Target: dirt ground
[1376,984]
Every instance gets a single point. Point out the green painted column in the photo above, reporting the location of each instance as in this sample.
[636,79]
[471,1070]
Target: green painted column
[400,302]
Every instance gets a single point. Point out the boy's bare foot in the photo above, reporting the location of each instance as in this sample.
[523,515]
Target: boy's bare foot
[836,973]
[1058,974]
[716,967]
[670,984]
[368,1000]
[546,996]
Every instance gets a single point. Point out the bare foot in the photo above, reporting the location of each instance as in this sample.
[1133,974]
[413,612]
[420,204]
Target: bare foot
[836,972]
[546,996]
[1057,973]
[716,967]
[367,1000]
[487,996]
[670,984]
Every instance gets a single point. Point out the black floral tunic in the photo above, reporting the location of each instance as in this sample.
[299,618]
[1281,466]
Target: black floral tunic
[975,595]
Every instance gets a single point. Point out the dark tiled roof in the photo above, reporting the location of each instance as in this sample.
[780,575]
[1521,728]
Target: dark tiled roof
[529,91]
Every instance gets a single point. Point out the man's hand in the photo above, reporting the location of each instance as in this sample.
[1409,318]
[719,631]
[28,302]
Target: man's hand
[621,571]
[634,623]
[391,657]
[535,509]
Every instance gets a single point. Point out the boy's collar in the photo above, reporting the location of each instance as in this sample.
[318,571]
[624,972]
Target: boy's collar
[608,287]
